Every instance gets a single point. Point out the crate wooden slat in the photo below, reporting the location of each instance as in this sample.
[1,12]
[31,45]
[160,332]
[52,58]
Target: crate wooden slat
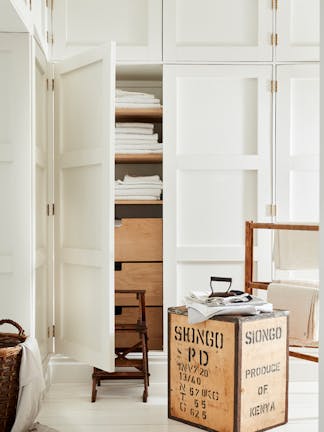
[230,373]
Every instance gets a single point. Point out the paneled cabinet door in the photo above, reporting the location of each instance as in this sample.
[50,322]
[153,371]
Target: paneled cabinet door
[217,30]
[16,242]
[43,223]
[39,17]
[297,143]
[298,29]
[217,172]
[135,25]
[84,212]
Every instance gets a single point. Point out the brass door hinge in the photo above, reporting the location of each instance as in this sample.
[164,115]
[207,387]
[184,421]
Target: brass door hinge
[30,4]
[274,39]
[49,38]
[53,330]
[53,85]
[271,210]
[275,4]
[50,209]
[274,86]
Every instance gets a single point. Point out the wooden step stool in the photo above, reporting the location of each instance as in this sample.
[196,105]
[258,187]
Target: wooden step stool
[121,359]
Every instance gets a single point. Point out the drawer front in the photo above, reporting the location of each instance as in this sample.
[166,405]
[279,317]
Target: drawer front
[144,276]
[154,324]
[139,240]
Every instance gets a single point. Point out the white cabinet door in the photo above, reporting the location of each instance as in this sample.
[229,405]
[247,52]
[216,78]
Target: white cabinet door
[217,172]
[43,223]
[84,212]
[217,30]
[298,28]
[16,242]
[135,25]
[297,143]
[39,17]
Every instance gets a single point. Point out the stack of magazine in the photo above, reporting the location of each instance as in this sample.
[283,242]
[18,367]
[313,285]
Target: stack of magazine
[201,306]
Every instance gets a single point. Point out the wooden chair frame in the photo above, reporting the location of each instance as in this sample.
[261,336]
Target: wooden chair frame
[250,284]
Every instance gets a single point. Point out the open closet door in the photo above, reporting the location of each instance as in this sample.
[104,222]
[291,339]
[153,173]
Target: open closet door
[84,207]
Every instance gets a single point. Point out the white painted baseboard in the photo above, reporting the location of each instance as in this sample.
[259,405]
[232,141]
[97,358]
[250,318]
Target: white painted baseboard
[62,369]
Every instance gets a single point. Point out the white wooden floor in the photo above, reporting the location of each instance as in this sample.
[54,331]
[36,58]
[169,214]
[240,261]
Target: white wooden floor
[118,408]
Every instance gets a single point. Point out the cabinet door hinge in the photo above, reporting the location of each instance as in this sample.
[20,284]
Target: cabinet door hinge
[30,4]
[274,86]
[53,330]
[274,39]
[53,85]
[50,209]
[271,210]
[49,38]
[275,4]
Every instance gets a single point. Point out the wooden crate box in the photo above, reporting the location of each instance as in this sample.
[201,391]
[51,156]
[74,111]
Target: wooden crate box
[229,374]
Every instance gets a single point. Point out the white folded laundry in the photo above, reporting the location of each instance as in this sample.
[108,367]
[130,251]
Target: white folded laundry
[134,137]
[137,151]
[137,197]
[119,184]
[138,145]
[302,302]
[135,125]
[125,93]
[142,179]
[139,191]
[137,100]
[133,130]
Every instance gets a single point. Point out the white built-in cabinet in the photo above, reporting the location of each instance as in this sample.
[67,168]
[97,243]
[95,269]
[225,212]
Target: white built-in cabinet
[240,142]
[297,143]
[218,140]
[199,30]
[135,25]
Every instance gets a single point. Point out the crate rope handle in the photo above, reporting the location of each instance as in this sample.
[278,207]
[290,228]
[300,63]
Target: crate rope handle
[18,327]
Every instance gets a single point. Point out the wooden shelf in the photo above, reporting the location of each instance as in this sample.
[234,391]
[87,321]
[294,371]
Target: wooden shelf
[135,114]
[138,158]
[139,202]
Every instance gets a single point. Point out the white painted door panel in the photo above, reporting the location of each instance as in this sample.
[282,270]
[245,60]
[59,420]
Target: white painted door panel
[135,25]
[43,223]
[297,143]
[298,28]
[217,172]
[16,241]
[84,109]
[217,30]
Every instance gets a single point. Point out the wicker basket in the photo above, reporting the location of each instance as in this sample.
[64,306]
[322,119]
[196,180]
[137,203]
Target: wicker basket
[10,358]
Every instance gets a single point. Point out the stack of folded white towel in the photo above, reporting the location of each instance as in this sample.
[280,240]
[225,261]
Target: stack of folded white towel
[127,99]
[138,188]
[136,138]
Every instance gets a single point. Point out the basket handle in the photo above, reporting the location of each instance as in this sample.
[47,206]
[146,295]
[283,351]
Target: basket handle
[18,327]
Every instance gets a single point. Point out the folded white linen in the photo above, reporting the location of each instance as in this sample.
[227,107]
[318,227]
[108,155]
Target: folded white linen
[137,137]
[142,179]
[198,312]
[137,197]
[136,105]
[138,144]
[137,99]
[31,386]
[295,250]
[302,302]
[137,151]
[125,93]
[119,184]
[139,191]
[134,125]
[133,130]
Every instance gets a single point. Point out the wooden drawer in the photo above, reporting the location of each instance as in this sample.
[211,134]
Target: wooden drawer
[139,239]
[154,323]
[145,276]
